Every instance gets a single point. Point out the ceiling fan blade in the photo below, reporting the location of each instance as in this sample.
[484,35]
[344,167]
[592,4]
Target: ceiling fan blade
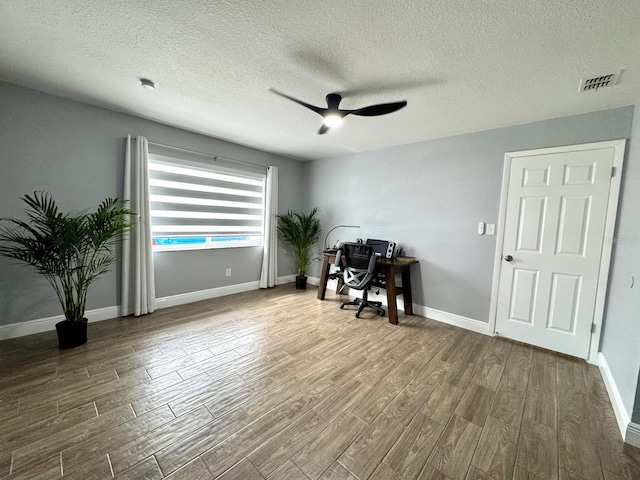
[318,110]
[323,129]
[381,109]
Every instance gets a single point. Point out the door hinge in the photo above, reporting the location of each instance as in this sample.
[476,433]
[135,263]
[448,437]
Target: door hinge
[613,172]
[594,327]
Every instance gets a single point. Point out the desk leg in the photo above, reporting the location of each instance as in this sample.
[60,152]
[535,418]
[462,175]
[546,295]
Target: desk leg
[406,292]
[324,277]
[392,307]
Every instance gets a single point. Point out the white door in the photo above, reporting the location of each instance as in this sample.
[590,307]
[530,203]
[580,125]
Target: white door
[554,227]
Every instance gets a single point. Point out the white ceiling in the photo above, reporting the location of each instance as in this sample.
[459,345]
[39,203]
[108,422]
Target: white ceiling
[462,65]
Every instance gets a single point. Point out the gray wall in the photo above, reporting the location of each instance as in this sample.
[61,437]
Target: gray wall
[76,151]
[430,196]
[621,338]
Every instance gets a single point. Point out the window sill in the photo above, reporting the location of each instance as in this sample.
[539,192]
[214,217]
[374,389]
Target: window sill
[184,248]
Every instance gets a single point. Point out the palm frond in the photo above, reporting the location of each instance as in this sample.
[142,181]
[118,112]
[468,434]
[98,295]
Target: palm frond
[70,250]
[301,231]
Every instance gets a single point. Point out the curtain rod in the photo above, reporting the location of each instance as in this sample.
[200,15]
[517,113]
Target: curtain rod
[214,157]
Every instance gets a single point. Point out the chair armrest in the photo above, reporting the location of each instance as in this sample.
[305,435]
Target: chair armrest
[372,264]
[338,261]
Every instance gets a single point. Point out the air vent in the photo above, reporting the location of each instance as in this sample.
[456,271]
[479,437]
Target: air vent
[601,81]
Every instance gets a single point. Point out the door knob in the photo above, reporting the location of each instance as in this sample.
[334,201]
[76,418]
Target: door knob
[508,258]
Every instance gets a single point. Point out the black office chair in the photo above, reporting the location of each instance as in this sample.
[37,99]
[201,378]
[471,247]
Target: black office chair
[358,270]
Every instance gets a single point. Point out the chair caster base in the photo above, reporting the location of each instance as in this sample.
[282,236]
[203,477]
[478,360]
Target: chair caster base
[364,303]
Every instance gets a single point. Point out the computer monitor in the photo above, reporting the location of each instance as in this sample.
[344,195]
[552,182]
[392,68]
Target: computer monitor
[379,246]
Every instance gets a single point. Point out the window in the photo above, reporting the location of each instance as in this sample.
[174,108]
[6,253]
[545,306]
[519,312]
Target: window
[195,206]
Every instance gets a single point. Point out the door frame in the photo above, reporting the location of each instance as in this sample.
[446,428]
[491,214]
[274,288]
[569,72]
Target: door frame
[609,230]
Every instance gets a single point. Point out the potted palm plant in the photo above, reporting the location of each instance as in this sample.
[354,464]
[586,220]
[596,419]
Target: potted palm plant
[301,231]
[69,250]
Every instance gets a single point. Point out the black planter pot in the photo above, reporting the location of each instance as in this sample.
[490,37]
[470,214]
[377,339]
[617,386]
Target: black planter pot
[301,282]
[71,334]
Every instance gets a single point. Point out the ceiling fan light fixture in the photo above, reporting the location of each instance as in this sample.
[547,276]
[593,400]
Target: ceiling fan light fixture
[333,120]
[333,115]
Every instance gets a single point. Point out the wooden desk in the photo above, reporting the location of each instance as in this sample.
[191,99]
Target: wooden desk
[384,265]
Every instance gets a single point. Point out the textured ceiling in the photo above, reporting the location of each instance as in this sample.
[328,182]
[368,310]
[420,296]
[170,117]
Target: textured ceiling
[462,65]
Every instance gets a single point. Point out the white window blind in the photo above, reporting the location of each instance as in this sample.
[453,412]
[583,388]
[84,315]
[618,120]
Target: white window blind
[195,207]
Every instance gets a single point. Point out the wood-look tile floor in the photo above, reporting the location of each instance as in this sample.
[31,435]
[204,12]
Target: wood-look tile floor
[278,385]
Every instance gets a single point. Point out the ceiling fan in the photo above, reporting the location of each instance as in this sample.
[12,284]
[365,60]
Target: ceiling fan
[333,115]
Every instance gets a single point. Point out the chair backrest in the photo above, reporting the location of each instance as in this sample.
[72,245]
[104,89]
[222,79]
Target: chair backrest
[359,264]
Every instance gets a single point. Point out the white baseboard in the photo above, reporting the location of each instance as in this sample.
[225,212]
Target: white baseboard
[292,278]
[467,323]
[472,324]
[310,280]
[633,434]
[190,297]
[622,416]
[99,314]
[47,324]
[286,279]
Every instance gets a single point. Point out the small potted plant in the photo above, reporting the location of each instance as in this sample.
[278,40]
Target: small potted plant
[69,250]
[301,231]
